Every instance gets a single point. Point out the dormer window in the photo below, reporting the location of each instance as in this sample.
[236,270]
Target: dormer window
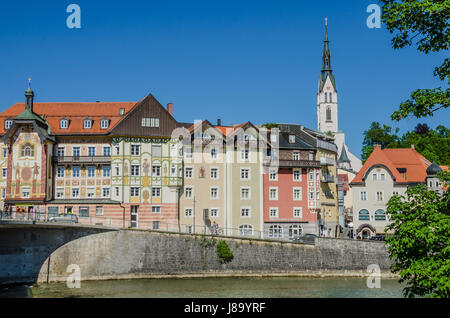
[121,111]
[87,124]
[8,123]
[63,124]
[291,139]
[104,124]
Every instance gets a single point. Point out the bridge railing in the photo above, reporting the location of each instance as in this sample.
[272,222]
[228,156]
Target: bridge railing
[276,233]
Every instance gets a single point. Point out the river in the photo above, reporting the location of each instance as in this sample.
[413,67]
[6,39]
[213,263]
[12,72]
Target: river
[284,287]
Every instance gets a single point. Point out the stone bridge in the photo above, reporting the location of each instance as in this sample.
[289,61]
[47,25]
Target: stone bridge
[41,253]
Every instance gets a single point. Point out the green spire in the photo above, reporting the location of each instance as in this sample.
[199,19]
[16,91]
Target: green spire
[343,157]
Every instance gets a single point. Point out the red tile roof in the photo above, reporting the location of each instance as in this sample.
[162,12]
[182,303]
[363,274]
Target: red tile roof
[75,113]
[415,164]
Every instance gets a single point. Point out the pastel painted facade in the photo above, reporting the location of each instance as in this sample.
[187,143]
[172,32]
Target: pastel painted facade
[385,173]
[291,191]
[107,163]
[203,197]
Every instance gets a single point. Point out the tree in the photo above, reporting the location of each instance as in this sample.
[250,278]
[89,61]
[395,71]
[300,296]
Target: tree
[425,24]
[432,144]
[420,245]
[383,136]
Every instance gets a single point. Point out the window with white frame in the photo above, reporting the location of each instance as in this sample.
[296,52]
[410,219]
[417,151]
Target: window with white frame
[245,173]
[60,172]
[91,171]
[297,174]
[117,168]
[75,171]
[291,139]
[59,193]
[273,212]
[8,124]
[150,122]
[156,150]
[188,192]
[117,149]
[214,173]
[156,171]
[245,230]
[135,150]
[244,154]
[298,212]
[25,192]
[214,212]
[296,155]
[75,192]
[117,191]
[273,175]
[106,171]
[4,173]
[63,124]
[91,151]
[98,210]
[275,231]
[5,152]
[379,196]
[273,193]
[188,172]
[188,212]
[87,124]
[213,153]
[156,209]
[76,151]
[363,196]
[297,195]
[134,191]
[106,192]
[156,192]
[245,193]
[214,193]
[3,193]
[90,192]
[104,124]
[382,177]
[245,212]
[135,169]
[374,177]
[107,151]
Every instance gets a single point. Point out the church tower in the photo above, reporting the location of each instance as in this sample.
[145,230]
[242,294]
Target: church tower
[327,116]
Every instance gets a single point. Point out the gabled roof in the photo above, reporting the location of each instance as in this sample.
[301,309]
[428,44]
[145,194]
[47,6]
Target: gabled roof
[298,144]
[74,112]
[343,157]
[394,159]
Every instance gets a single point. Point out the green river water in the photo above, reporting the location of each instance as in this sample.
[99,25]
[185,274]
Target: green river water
[284,287]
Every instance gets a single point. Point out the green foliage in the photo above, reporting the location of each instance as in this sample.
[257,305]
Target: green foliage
[424,24]
[224,252]
[271,125]
[432,144]
[377,134]
[420,245]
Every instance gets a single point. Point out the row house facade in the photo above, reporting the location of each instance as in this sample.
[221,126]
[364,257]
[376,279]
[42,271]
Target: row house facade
[292,190]
[223,169]
[108,163]
[388,172]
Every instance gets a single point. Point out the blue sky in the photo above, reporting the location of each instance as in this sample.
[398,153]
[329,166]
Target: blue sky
[237,60]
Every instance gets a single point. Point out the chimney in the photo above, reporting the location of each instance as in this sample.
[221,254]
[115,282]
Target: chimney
[377,146]
[219,122]
[170,108]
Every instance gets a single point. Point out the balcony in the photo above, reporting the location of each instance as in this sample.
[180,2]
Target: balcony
[325,161]
[299,164]
[81,159]
[327,178]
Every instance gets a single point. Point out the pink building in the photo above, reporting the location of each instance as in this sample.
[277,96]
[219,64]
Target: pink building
[291,192]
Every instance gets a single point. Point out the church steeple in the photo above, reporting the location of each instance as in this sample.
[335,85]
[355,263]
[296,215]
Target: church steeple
[326,56]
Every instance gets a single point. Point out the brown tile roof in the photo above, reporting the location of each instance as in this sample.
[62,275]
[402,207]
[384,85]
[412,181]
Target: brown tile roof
[415,164]
[75,113]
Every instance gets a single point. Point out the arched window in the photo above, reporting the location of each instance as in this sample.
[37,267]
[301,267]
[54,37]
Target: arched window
[328,114]
[295,231]
[380,215]
[27,150]
[326,98]
[363,215]
[275,231]
[245,230]
[331,97]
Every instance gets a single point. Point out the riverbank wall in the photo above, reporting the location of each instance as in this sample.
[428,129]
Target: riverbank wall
[129,254]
